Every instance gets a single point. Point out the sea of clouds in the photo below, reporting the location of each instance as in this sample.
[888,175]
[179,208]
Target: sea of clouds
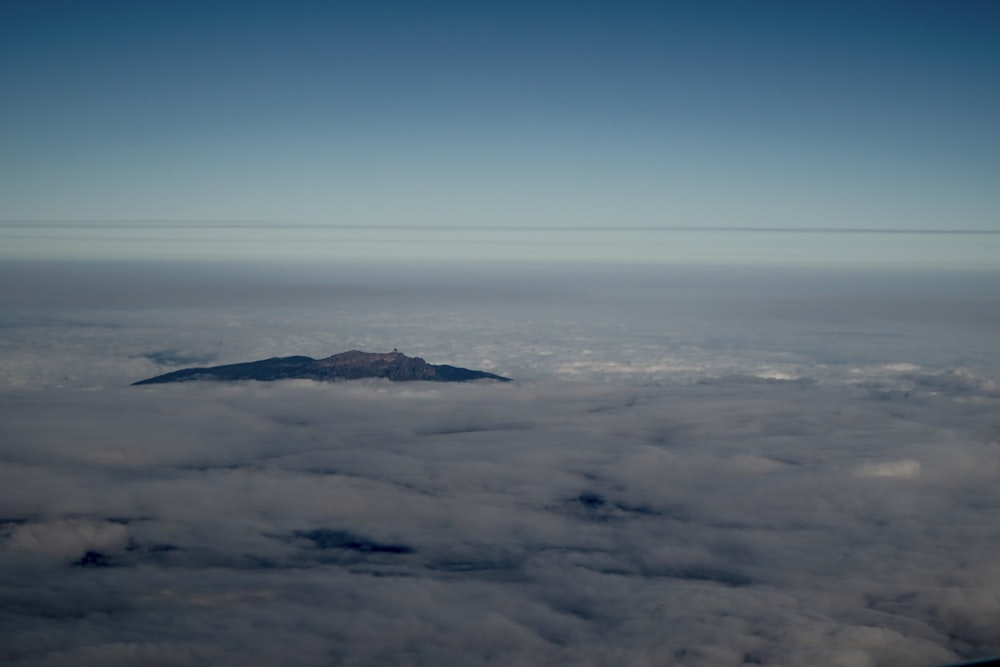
[693,467]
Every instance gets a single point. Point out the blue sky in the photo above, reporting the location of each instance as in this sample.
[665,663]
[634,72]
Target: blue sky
[786,114]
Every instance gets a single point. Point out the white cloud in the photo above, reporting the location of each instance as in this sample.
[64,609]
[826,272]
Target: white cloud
[900,468]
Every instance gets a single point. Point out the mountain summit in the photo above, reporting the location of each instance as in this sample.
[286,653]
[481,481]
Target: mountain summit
[352,365]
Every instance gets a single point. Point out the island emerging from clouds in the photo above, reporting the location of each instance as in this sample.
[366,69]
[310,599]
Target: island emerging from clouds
[352,365]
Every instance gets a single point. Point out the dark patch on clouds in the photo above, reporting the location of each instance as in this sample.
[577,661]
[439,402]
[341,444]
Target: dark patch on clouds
[324,538]
[465,429]
[705,573]
[591,501]
[593,506]
[479,561]
[93,559]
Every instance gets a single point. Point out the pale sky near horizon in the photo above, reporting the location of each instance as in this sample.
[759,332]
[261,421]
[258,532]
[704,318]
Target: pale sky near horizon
[767,114]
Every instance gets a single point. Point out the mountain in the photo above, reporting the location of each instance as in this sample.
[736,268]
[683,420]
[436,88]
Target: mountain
[352,365]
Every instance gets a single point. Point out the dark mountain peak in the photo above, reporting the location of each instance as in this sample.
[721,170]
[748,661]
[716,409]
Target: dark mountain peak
[351,365]
[352,357]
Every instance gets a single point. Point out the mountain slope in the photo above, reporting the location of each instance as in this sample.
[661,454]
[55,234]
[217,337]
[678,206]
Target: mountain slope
[351,365]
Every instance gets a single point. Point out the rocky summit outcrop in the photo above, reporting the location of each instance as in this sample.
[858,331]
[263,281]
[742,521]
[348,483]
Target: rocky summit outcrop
[352,365]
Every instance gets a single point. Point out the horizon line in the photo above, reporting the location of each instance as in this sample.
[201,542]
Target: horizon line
[229,223]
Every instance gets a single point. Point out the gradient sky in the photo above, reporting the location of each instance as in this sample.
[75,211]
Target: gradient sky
[787,114]
[741,259]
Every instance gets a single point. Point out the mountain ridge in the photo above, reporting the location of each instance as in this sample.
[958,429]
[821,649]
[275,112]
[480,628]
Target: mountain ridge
[350,365]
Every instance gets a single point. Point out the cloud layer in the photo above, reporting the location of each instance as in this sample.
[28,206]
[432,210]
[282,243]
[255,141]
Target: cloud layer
[550,523]
[732,487]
